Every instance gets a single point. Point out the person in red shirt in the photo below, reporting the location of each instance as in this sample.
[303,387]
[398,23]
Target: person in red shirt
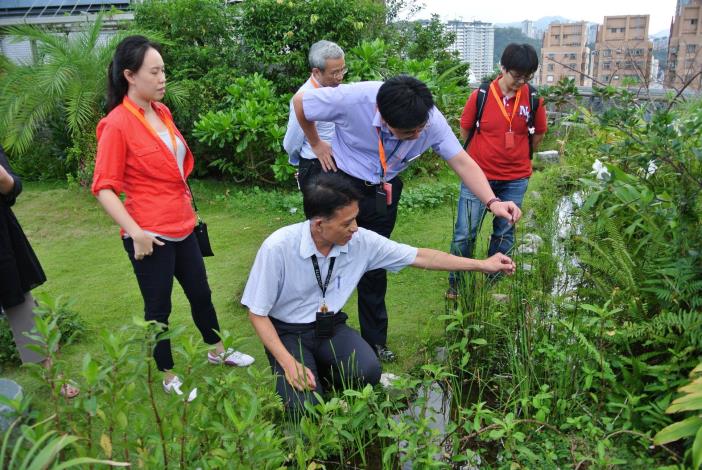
[142,154]
[501,149]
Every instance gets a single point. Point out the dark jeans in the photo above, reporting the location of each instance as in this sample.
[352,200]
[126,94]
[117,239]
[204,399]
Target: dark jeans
[471,212]
[155,273]
[343,361]
[372,312]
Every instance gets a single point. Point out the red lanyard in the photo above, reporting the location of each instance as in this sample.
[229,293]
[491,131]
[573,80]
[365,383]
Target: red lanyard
[314,82]
[502,106]
[166,121]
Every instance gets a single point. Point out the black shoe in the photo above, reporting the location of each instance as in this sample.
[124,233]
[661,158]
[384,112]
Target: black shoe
[384,354]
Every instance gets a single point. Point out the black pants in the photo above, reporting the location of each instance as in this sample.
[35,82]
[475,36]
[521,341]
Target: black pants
[372,312]
[343,361]
[306,170]
[155,273]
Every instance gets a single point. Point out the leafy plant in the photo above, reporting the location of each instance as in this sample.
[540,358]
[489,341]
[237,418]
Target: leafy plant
[249,131]
[691,426]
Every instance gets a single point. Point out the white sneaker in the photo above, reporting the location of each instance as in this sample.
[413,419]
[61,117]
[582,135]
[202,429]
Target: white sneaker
[230,358]
[174,387]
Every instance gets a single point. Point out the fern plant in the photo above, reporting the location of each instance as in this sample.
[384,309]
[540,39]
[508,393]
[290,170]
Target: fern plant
[691,426]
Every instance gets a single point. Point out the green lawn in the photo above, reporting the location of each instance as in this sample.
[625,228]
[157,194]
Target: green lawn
[83,257]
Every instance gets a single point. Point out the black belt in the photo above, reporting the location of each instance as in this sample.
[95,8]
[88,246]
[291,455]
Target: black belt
[366,187]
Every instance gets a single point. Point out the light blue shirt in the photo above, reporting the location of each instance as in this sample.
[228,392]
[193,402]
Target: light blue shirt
[355,144]
[295,143]
[282,282]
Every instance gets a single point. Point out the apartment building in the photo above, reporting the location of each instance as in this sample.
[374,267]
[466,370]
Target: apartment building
[565,54]
[623,51]
[475,43]
[685,47]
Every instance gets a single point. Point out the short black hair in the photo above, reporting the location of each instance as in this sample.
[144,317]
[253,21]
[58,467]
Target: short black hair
[520,58]
[325,193]
[404,102]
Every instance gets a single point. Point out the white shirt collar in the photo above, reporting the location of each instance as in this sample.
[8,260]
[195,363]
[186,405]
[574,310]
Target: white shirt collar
[308,248]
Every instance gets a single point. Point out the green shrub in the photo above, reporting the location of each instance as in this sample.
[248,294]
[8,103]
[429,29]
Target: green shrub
[249,131]
[70,325]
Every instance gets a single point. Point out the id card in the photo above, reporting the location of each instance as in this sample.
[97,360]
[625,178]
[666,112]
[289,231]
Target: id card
[509,140]
[324,325]
[381,200]
[388,193]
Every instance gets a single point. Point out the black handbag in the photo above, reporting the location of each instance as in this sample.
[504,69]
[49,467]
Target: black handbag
[203,238]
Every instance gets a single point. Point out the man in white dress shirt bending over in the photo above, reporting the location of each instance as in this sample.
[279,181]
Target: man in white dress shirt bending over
[304,274]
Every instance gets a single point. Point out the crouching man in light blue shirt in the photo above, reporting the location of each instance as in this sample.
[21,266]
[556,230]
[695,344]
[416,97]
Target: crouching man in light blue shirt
[304,274]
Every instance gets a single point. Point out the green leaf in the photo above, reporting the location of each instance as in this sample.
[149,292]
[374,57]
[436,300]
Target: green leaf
[697,450]
[675,431]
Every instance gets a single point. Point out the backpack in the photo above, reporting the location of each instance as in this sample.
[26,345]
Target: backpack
[480,106]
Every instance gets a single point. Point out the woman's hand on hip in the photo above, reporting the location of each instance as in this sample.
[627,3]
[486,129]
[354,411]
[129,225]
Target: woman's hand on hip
[144,245]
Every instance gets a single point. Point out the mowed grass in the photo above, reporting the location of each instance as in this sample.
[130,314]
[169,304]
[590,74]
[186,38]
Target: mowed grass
[80,250]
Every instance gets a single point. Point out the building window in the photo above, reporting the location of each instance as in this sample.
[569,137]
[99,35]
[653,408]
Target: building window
[549,67]
[693,21]
[691,48]
[552,56]
[572,65]
[621,30]
[549,78]
[606,65]
[607,53]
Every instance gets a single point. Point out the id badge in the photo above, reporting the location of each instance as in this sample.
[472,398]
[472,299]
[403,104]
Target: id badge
[324,325]
[381,200]
[509,140]
[388,193]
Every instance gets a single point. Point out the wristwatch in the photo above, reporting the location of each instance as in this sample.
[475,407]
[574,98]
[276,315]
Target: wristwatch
[491,201]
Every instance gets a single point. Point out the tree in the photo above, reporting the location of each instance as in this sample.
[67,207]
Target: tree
[67,76]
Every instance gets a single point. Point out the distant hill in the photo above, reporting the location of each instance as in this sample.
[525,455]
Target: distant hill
[541,23]
[660,34]
[505,35]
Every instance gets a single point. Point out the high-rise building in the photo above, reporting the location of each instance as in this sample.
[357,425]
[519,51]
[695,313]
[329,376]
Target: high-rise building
[528,29]
[680,4]
[622,50]
[565,54]
[475,42]
[685,47]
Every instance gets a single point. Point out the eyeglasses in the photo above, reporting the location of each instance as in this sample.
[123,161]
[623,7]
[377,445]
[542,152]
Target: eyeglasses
[521,78]
[339,73]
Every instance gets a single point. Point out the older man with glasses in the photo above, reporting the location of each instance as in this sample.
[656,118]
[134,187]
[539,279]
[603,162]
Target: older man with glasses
[327,69]
[500,145]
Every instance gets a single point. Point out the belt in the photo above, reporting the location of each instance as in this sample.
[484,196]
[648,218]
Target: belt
[364,186]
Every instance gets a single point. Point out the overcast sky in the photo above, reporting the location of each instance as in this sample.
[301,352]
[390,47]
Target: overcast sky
[508,11]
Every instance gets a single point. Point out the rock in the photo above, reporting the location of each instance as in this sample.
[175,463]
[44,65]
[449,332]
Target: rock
[386,379]
[533,238]
[548,156]
[501,298]
[440,354]
[530,244]
[526,267]
[12,391]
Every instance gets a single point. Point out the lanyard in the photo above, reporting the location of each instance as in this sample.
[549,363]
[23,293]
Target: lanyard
[166,121]
[314,82]
[318,273]
[502,106]
[381,153]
